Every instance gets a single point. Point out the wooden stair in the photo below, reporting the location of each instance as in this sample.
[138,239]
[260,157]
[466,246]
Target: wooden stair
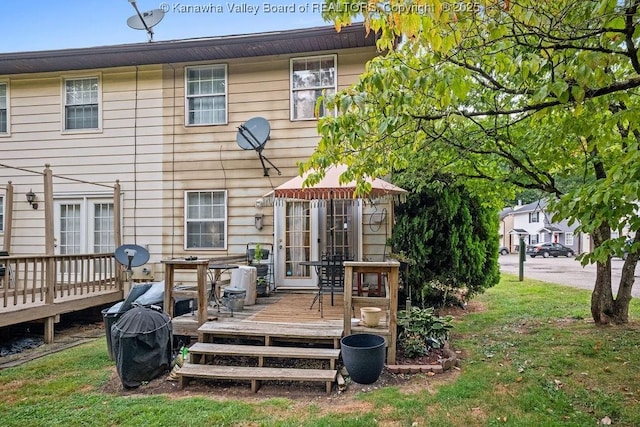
[206,354]
[199,352]
[256,375]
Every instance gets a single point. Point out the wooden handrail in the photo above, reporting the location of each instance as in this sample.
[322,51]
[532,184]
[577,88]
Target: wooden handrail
[38,279]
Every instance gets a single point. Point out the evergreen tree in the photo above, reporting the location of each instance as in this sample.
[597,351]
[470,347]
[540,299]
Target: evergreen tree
[453,240]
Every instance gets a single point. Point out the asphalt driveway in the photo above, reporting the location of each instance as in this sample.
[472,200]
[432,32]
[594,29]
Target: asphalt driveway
[564,271]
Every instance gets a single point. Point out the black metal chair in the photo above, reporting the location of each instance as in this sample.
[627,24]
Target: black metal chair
[330,275]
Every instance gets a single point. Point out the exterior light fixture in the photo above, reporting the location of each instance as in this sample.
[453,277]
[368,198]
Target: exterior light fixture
[31,199]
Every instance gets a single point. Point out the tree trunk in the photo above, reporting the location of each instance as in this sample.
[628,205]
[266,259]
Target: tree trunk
[602,303]
[621,304]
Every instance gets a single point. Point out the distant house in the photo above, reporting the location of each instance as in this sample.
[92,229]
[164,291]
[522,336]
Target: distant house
[162,119]
[532,223]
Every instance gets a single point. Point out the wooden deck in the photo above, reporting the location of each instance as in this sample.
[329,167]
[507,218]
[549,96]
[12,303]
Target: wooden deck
[279,308]
[283,326]
[43,287]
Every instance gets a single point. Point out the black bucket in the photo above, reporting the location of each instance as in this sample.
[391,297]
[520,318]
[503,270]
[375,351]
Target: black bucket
[363,356]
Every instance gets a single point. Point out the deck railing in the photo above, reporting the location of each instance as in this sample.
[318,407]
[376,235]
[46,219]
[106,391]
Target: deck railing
[38,279]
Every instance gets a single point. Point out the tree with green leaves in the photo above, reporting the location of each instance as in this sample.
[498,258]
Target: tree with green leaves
[504,94]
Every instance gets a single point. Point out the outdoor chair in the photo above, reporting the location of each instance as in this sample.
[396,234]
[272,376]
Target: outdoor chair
[330,276]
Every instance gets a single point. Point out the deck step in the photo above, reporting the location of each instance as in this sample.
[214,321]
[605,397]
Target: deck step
[255,375]
[199,349]
[269,331]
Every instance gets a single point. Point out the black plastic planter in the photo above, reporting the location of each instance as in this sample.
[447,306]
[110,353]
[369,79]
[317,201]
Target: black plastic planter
[363,356]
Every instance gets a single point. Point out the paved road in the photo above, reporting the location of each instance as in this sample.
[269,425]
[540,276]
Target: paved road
[564,271]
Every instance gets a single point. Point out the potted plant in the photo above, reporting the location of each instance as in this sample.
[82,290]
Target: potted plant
[261,286]
[262,269]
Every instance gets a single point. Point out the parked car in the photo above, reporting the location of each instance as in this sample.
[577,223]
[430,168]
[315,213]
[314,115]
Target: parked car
[549,249]
[504,250]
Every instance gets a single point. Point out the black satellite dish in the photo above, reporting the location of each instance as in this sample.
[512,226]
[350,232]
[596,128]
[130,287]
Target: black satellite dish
[145,20]
[253,135]
[131,256]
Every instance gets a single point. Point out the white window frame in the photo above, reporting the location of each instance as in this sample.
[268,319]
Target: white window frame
[532,215]
[7,132]
[568,238]
[225,95]
[63,88]
[334,57]
[224,219]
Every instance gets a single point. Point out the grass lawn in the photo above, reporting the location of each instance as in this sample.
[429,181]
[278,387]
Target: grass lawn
[531,356]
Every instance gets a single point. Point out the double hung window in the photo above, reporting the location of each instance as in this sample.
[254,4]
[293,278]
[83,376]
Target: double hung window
[311,78]
[206,219]
[81,100]
[206,92]
[4,109]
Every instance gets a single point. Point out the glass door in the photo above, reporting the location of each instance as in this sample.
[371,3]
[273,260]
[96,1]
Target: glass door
[83,225]
[296,237]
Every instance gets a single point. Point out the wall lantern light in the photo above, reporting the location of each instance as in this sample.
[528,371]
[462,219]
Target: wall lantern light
[31,199]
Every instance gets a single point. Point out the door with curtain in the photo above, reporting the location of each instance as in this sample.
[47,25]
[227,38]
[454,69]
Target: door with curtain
[295,235]
[305,230]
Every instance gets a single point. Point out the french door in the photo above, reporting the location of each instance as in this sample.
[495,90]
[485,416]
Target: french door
[83,225]
[305,230]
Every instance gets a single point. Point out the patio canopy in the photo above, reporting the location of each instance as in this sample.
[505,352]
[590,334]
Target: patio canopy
[330,188]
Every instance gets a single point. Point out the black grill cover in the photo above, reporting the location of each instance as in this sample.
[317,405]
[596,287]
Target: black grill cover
[142,345]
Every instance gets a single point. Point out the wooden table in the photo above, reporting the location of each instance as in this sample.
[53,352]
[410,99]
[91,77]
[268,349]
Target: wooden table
[201,267]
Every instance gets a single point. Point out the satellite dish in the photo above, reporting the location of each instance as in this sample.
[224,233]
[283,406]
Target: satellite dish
[131,256]
[145,20]
[253,135]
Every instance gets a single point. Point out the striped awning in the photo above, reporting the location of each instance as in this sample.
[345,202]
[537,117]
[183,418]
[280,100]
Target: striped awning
[330,187]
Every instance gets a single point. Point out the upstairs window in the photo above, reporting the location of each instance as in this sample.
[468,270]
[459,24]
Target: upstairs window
[205,215]
[4,112]
[310,79]
[206,92]
[1,214]
[534,216]
[81,103]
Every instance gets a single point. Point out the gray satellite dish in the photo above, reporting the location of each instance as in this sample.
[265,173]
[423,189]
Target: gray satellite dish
[253,135]
[131,256]
[145,20]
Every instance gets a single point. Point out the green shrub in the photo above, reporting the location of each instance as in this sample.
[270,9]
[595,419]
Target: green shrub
[422,330]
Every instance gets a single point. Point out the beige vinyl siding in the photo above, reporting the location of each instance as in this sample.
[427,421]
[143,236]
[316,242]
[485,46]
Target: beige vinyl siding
[208,158]
[145,144]
[97,156]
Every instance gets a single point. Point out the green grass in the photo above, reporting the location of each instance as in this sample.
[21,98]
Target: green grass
[530,356]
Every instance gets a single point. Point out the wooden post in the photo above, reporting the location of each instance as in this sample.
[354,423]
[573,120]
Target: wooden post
[50,247]
[117,236]
[117,223]
[49,240]
[8,218]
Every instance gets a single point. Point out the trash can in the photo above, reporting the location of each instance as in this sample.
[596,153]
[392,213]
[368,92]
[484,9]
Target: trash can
[244,277]
[110,317]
